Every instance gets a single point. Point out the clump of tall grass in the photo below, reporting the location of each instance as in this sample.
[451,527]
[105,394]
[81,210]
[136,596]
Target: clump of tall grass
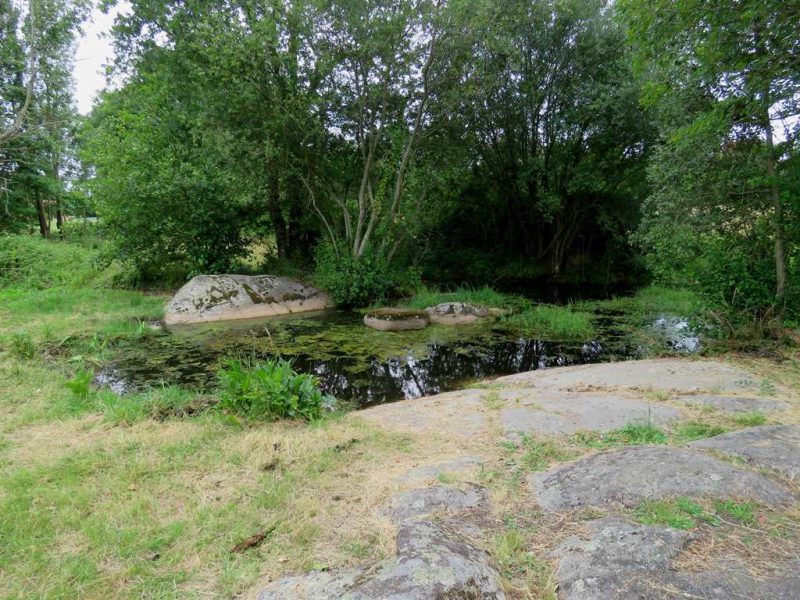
[552,322]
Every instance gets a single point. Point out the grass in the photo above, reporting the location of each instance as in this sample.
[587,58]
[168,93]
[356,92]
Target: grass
[651,300]
[521,568]
[631,434]
[552,322]
[750,419]
[695,430]
[685,513]
[540,454]
[484,296]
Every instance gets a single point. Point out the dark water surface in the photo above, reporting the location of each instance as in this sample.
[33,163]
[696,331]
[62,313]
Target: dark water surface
[362,366]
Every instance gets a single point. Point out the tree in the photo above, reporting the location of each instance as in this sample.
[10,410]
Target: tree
[724,73]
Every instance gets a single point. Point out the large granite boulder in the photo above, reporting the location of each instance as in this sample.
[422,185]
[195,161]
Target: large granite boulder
[456,313]
[396,319]
[223,297]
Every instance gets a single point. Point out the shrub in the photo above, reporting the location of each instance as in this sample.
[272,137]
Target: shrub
[270,390]
[32,262]
[359,281]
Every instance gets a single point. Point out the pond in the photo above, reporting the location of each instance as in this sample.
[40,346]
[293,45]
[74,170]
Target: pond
[361,366]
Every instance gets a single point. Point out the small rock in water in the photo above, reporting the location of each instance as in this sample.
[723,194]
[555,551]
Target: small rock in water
[396,319]
[456,313]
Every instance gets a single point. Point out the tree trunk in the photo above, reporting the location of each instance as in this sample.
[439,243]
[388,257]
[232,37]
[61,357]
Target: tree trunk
[44,224]
[277,219]
[59,217]
[777,217]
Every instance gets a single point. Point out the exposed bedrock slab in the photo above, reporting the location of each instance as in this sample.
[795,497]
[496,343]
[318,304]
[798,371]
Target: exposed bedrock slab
[222,297]
[631,475]
[459,413]
[425,501]
[447,467]
[735,404]
[431,563]
[773,446]
[621,560]
[665,374]
[571,413]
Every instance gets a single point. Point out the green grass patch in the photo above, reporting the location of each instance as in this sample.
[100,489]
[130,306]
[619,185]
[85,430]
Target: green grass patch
[750,419]
[540,454]
[551,322]
[521,566]
[695,430]
[679,513]
[630,434]
[484,296]
[744,512]
[651,300]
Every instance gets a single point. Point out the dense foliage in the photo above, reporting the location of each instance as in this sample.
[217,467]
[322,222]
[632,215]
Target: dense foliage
[270,390]
[464,142]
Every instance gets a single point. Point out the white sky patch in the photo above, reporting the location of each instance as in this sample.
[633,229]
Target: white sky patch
[94,51]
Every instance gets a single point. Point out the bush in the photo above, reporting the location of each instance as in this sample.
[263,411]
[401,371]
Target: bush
[270,390]
[359,281]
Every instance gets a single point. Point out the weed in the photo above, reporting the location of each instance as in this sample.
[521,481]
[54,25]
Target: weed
[680,513]
[518,564]
[22,346]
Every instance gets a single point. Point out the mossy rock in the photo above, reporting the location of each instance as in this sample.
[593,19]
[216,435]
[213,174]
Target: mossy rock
[396,319]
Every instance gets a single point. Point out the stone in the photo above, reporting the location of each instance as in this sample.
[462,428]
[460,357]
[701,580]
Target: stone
[634,474]
[425,501]
[432,562]
[553,414]
[396,319]
[735,404]
[774,446]
[458,414]
[223,297]
[434,470]
[619,560]
[456,313]
[659,374]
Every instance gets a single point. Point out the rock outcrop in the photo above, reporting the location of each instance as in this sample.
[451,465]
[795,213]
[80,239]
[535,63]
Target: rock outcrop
[224,297]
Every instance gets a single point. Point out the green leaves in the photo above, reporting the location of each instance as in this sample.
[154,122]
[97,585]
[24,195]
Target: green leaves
[270,390]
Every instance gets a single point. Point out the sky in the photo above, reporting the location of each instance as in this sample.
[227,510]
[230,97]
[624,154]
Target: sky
[94,50]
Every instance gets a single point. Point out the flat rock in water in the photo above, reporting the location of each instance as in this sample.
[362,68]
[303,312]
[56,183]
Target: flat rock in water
[773,446]
[631,475]
[662,374]
[432,562]
[425,501]
[735,404]
[621,560]
[456,313]
[568,414]
[396,319]
[431,471]
[223,297]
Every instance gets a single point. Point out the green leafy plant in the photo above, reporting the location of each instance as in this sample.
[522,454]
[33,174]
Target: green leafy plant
[80,384]
[270,390]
